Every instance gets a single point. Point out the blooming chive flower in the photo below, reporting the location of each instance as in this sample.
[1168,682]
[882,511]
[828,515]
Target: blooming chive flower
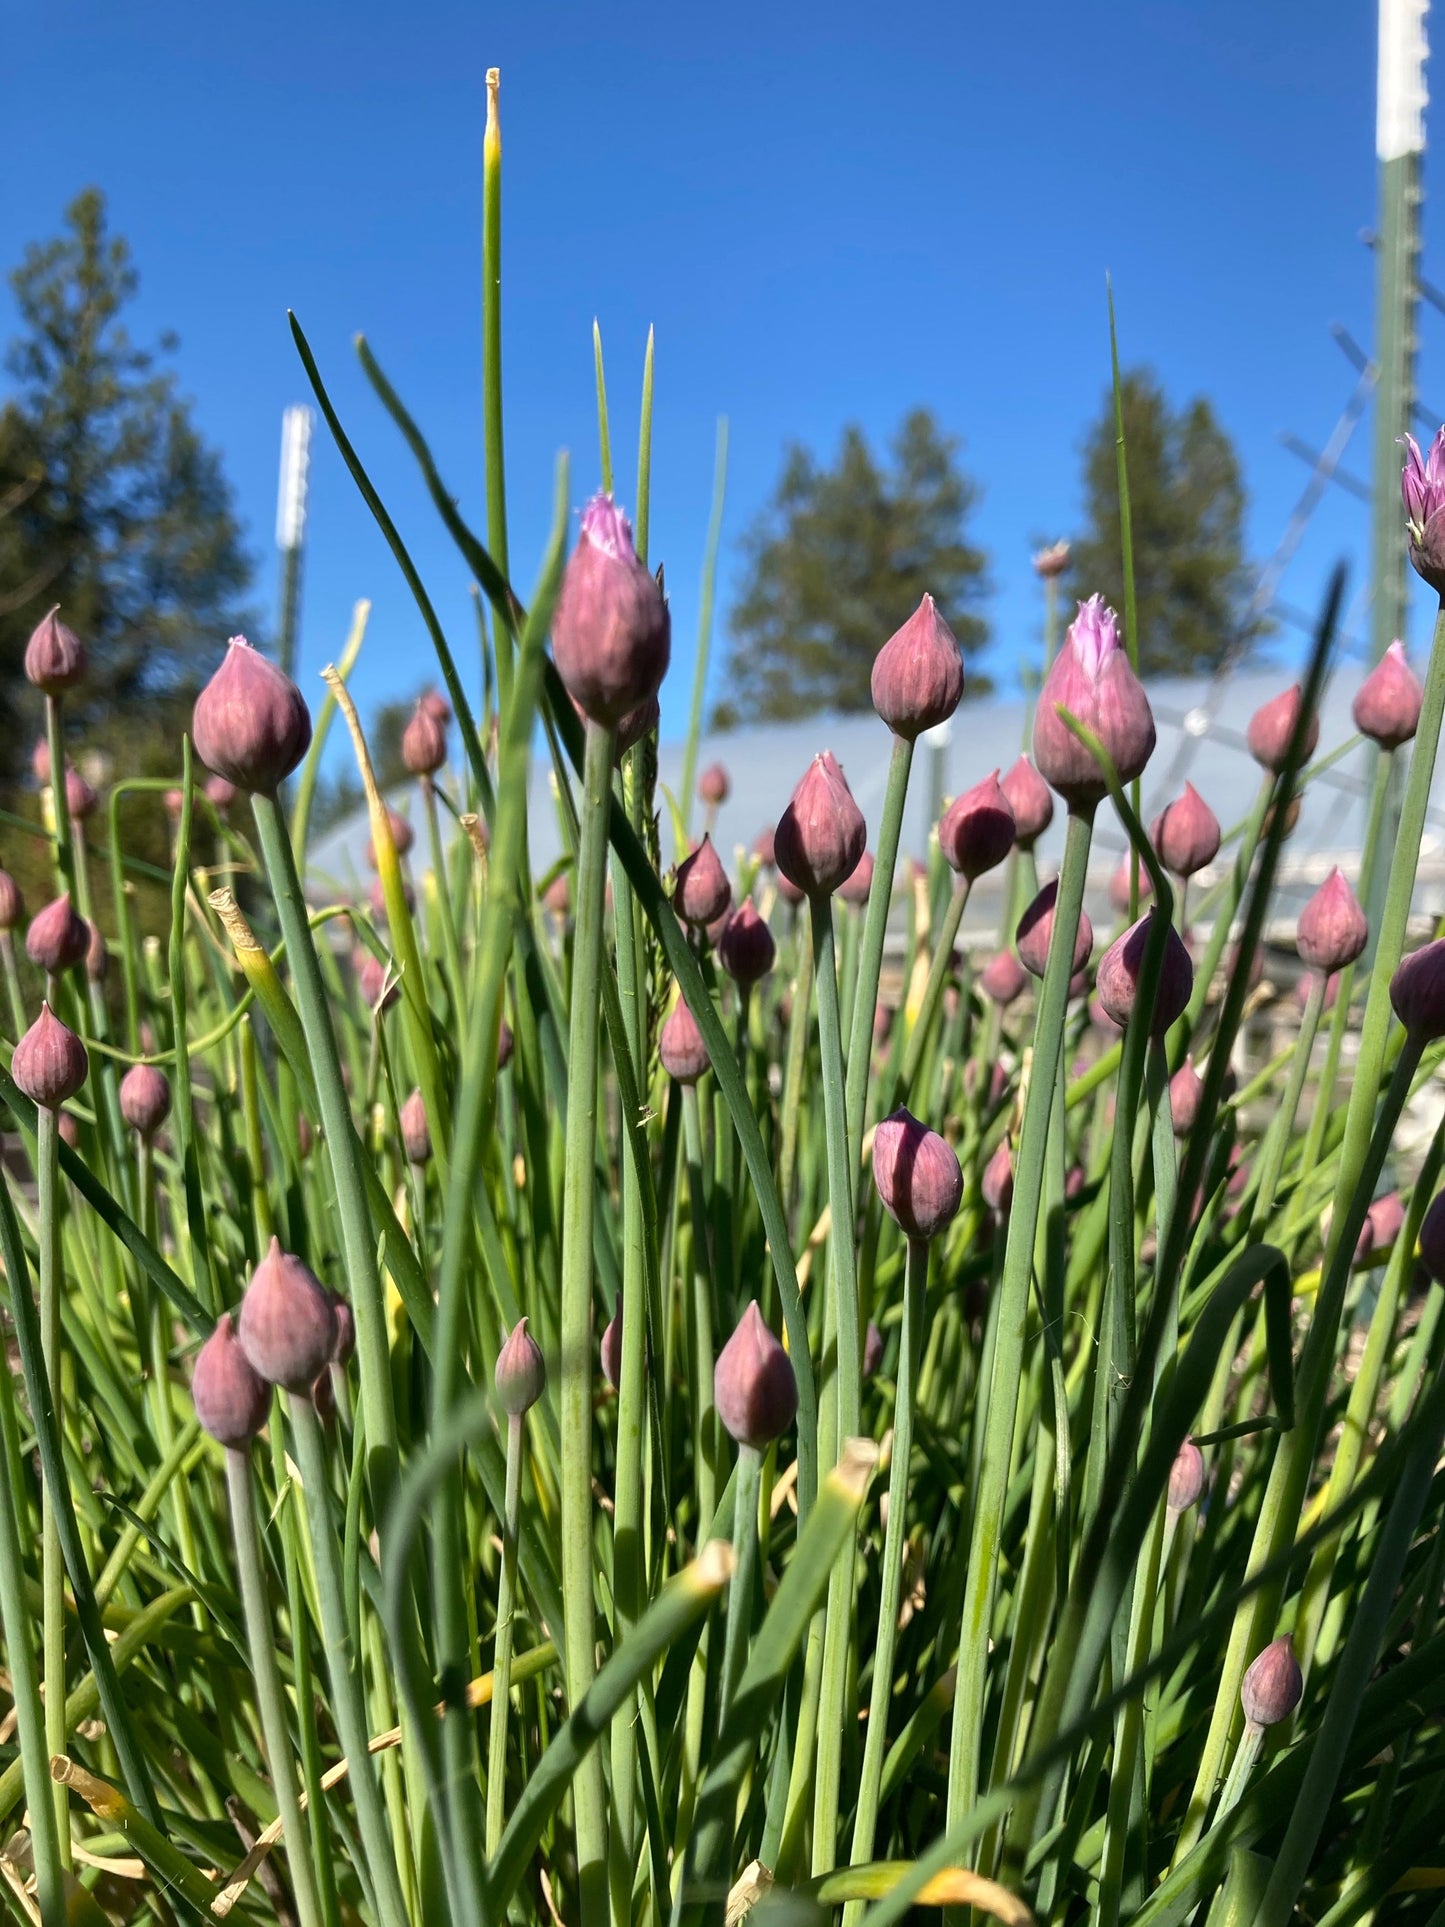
[1092,680]
[1422,486]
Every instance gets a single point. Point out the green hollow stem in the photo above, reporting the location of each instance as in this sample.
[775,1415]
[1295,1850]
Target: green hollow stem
[578,1200]
[47,1177]
[745,1575]
[870,958]
[261,1645]
[348,1696]
[12,984]
[915,1284]
[502,1658]
[444,894]
[933,990]
[966,1742]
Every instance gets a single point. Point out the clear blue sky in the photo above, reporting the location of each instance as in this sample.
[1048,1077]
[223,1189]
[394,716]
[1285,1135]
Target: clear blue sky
[830,214]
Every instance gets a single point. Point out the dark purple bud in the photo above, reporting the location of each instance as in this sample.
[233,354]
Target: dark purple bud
[611,1349]
[821,834]
[402,835]
[145,1099]
[1272,726]
[1422,485]
[521,1375]
[1120,969]
[1186,1094]
[976,831]
[286,1325]
[1186,834]
[680,1045]
[54,657]
[753,1384]
[1417,992]
[1432,1238]
[917,1175]
[714,786]
[918,674]
[1332,930]
[415,1131]
[232,1402]
[57,939]
[872,1350]
[1387,703]
[250,723]
[1186,1477]
[49,1063]
[702,892]
[12,907]
[1036,930]
[424,742]
[859,881]
[636,724]
[1272,1685]
[1121,884]
[746,949]
[1091,678]
[80,798]
[611,633]
[997,1182]
[220,794]
[1003,978]
[763,848]
[1031,801]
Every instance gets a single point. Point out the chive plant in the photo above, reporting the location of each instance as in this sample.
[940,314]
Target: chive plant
[690,1384]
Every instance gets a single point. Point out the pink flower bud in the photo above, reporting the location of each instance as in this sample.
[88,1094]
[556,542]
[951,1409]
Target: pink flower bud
[1186,1477]
[1432,1238]
[1186,1094]
[997,1182]
[1091,678]
[1121,884]
[286,1325]
[173,802]
[611,633]
[250,723]
[231,1401]
[1036,930]
[1120,969]
[415,1131]
[976,831]
[220,794]
[80,798]
[1031,801]
[763,847]
[97,957]
[521,1374]
[702,892]
[49,1063]
[1003,978]
[57,939]
[918,674]
[1417,992]
[1272,1685]
[1422,485]
[858,883]
[12,907]
[1386,1219]
[40,761]
[714,786]
[1186,834]
[821,834]
[376,897]
[402,835]
[917,1175]
[1387,703]
[145,1099]
[371,981]
[1332,930]
[636,724]
[872,1350]
[746,949]
[424,742]
[680,1045]
[1107,1026]
[54,658]
[558,896]
[611,1349]
[436,706]
[753,1384]
[345,1329]
[1273,724]
[1052,561]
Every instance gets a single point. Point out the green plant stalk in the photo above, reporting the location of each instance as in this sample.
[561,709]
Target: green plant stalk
[984,1546]
[450,944]
[704,1426]
[59,803]
[745,1575]
[932,990]
[12,985]
[870,964]
[1123,1822]
[492,363]
[321,729]
[202,1281]
[1282,1126]
[261,1644]
[604,436]
[910,1351]
[578,1198]
[704,621]
[502,1658]
[52,1564]
[642,519]
[797,1057]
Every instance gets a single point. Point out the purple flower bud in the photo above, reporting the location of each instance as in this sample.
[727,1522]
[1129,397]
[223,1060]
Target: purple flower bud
[1422,486]
[611,1349]
[220,794]
[976,831]
[611,633]
[372,981]
[286,1325]
[1332,930]
[872,1350]
[57,939]
[145,1099]
[997,1182]
[680,1045]
[1387,703]
[54,657]
[917,1175]
[97,957]
[1186,834]
[12,908]
[918,674]
[402,835]
[436,706]
[1186,1477]
[1432,1238]
[415,1131]
[305,1137]
[1417,992]
[763,846]
[173,802]
[1036,930]
[1273,724]
[1031,801]
[521,1374]
[1386,1219]
[858,883]
[250,722]
[345,1329]
[746,949]
[702,892]
[49,1063]
[1003,978]
[1091,678]
[1120,969]
[558,896]
[1186,1094]
[1122,882]
[789,891]
[821,834]
[231,1401]
[1052,561]
[80,798]
[714,786]
[424,742]
[753,1384]
[1272,1685]
[636,724]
